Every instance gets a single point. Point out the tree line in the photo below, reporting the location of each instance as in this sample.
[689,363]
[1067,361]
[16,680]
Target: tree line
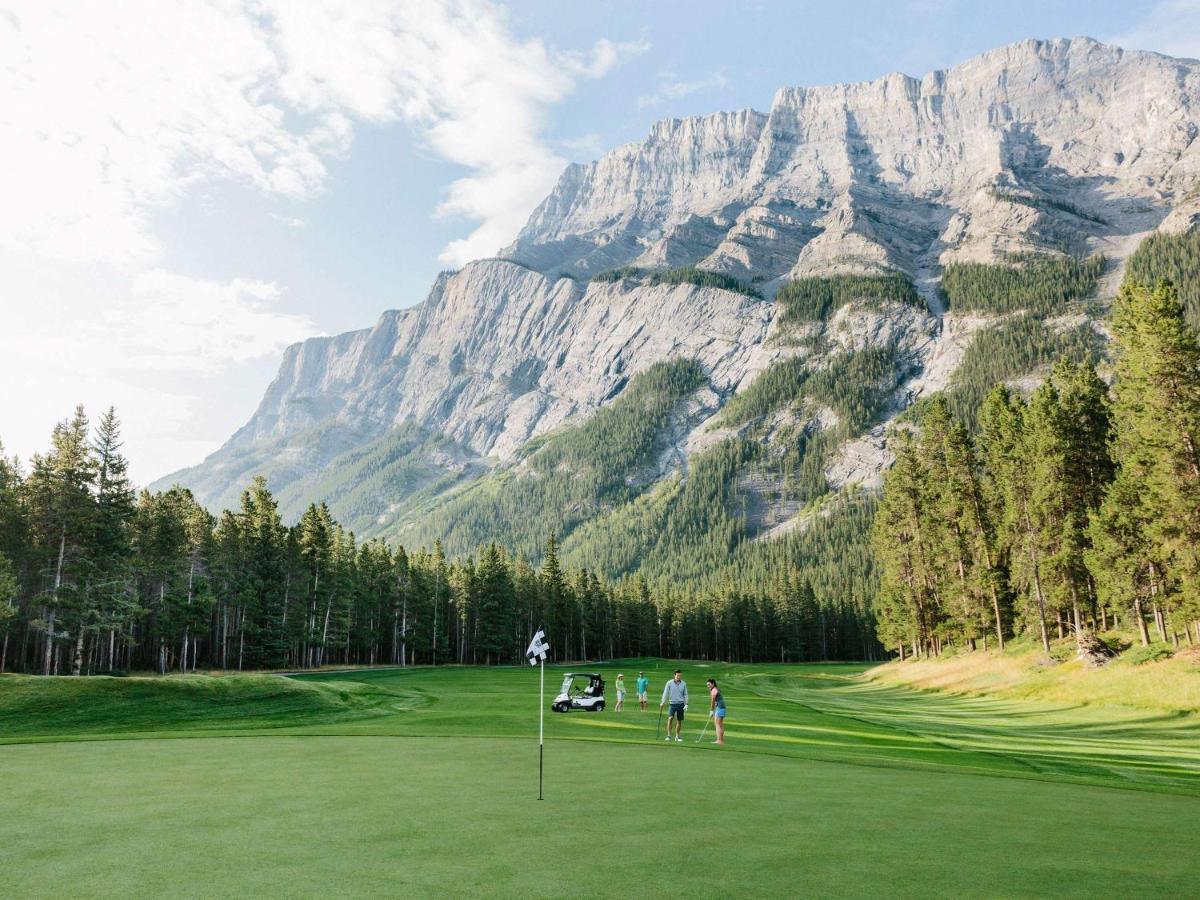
[98,578]
[1075,510]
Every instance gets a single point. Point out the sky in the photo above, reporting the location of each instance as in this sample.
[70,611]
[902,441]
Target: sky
[189,186]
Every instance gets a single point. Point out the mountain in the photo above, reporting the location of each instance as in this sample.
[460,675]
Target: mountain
[696,343]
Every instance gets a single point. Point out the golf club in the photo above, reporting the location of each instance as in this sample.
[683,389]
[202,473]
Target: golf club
[658,727]
[706,721]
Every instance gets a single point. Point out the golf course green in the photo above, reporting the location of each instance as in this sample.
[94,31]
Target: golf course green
[423,782]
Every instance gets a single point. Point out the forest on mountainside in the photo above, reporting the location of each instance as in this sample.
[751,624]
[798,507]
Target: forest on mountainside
[681,275]
[813,299]
[1040,284]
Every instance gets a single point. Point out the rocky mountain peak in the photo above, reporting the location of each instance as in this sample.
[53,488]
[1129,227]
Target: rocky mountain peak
[1046,148]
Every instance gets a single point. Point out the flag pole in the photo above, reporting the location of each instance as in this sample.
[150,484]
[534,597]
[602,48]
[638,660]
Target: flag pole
[541,721]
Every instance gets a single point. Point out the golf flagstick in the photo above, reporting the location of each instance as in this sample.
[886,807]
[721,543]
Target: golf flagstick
[541,722]
[705,730]
[536,654]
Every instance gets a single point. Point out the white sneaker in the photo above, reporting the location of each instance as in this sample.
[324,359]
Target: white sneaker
[679,740]
[668,737]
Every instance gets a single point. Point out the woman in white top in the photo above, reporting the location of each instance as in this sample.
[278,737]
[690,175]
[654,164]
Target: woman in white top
[620,693]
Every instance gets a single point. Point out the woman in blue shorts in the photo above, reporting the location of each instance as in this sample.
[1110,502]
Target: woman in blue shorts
[717,708]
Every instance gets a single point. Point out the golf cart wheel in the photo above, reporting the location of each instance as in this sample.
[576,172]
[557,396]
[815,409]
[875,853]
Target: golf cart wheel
[599,707]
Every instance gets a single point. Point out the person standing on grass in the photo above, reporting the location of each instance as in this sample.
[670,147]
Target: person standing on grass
[620,693]
[717,709]
[643,687]
[675,693]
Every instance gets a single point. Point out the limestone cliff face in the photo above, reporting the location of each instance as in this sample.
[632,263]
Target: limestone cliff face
[1040,146]
[899,172]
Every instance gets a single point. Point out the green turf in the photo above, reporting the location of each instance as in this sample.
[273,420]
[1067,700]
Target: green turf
[422,782]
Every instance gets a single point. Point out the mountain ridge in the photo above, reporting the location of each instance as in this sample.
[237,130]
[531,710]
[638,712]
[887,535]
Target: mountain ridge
[1038,150]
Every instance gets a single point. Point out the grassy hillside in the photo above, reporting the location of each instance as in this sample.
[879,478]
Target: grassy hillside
[1168,685]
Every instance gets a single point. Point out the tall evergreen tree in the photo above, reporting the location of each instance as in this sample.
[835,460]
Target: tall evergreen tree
[1147,532]
[1009,467]
[62,518]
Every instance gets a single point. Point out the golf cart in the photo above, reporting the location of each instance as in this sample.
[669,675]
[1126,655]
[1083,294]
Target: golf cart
[580,695]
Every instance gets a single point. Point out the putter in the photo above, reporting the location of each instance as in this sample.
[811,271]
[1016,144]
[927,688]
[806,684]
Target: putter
[706,721]
[658,727]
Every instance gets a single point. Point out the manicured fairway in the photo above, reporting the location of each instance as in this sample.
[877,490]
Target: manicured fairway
[423,782]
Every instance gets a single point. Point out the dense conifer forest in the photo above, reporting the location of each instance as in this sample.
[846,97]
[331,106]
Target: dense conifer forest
[1041,284]
[1175,257]
[1070,511]
[813,299]
[95,578]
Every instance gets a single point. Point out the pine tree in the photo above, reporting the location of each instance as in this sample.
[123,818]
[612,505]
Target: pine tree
[14,540]
[970,585]
[1085,470]
[62,518]
[905,548]
[553,593]
[1147,533]
[1008,464]
[9,588]
[262,639]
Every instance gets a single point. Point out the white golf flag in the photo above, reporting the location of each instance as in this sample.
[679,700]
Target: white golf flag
[538,648]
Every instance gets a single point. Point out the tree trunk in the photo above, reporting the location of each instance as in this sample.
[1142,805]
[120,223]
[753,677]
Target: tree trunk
[1139,617]
[77,656]
[58,570]
[1041,600]
[325,631]
[1160,623]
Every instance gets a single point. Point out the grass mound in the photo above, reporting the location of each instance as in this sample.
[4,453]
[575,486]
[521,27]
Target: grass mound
[1148,678]
[34,706]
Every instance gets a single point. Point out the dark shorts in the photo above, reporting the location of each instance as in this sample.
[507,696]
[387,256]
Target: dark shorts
[676,711]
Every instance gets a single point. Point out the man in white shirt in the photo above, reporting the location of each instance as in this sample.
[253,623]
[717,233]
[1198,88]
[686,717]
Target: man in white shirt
[675,694]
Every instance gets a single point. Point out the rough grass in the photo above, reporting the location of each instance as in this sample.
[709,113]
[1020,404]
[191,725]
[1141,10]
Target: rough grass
[1169,685]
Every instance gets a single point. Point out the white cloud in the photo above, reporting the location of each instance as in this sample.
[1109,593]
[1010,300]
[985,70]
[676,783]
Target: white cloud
[113,111]
[478,95]
[288,221]
[110,110]
[174,354]
[670,87]
[172,323]
[1171,27]
[586,146]
[605,56]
